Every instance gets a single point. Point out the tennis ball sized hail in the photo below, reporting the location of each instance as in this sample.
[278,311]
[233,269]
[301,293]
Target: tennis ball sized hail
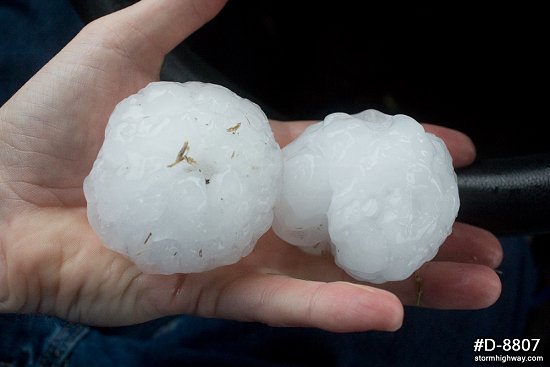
[188,176]
[375,189]
[186,179]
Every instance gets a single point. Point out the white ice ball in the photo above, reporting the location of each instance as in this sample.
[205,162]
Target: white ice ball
[186,179]
[377,189]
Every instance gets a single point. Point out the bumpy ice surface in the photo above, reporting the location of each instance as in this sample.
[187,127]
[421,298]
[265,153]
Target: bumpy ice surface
[376,188]
[186,179]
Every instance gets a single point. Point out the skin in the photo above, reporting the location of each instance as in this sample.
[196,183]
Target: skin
[52,262]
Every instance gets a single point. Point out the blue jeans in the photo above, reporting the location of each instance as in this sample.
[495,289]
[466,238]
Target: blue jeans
[31,33]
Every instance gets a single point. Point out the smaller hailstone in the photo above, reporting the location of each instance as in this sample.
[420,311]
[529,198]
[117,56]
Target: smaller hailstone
[186,179]
[377,189]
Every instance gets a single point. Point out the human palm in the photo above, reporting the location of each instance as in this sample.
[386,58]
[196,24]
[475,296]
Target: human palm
[52,262]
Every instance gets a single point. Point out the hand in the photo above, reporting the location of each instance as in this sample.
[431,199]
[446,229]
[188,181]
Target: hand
[52,262]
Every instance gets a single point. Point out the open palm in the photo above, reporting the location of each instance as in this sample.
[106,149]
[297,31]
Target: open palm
[52,262]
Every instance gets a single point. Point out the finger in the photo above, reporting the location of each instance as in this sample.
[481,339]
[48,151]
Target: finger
[446,285]
[168,22]
[148,30]
[283,301]
[286,132]
[460,146]
[469,244]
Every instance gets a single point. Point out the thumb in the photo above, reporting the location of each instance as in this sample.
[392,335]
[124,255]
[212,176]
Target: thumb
[159,25]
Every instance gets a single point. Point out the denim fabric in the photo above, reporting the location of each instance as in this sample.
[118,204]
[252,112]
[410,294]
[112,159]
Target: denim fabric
[31,33]
[37,340]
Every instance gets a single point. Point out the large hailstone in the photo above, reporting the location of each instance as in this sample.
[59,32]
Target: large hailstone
[377,189]
[186,178]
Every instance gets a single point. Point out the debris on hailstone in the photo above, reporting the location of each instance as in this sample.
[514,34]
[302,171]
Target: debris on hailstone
[375,189]
[186,179]
[189,174]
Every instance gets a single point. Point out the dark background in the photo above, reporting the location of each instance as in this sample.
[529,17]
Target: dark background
[480,70]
